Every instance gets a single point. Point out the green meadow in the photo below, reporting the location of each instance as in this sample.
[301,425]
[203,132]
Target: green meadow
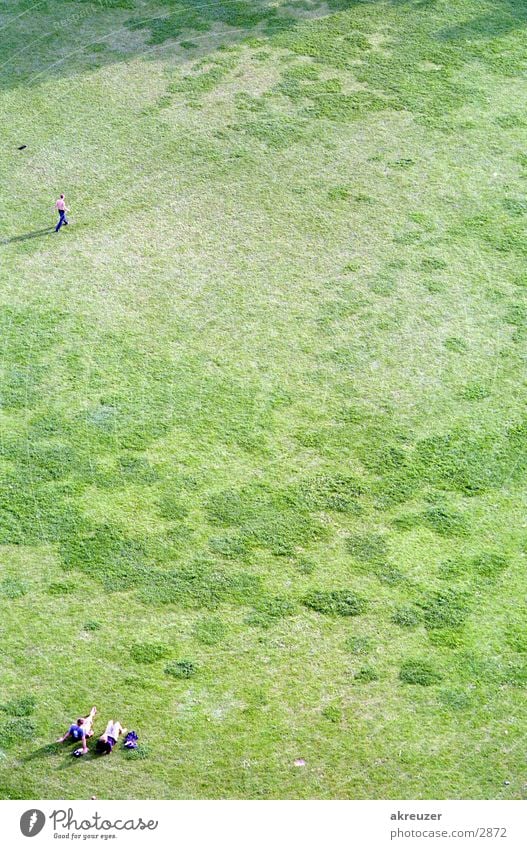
[263,423]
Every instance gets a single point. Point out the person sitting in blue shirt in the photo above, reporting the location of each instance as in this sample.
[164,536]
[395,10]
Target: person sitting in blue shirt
[81,729]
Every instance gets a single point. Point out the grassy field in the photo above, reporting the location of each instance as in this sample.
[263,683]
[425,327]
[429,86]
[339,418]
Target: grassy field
[263,432]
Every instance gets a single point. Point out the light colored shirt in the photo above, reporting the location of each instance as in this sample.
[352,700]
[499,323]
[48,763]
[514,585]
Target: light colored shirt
[61,204]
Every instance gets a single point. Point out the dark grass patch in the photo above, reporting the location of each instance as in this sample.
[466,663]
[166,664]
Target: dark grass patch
[344,108]
[31,514]
[13,588]
[475,392]
[455,699]
[510,120]
[513,672]
[92,625]
[137,682]
[278,521]
[453,568]
[389,574]
[149,652]
[443,520]
[516,315]
[210,631]
[456,460]
[421,672]
[352,266]
[444,609]
[339,193]
[379,456]
[396,484]
[359,645]
[434,286]
[230,547]
[195,84]
[335,602]
[516,637]
[276,130]
[515,206]
[403,162]
[341,493]
[451,638]
[365,675]
[305,566]
[16,730]
[269,611]
[21,706]
[62,588]
[134,468]
[19,386]
[140,753]
[172,507]
[432,263]
[455,345]
[309,438]
[475,667]
[200,583]
[382,285]
[489,565]
[181,669]
[171,26]
[332,713]
[406,616]
[103,552]
[367,548]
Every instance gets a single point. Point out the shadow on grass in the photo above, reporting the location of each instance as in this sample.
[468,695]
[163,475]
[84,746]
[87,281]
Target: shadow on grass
[105,32]
[34,234]
[45,752]
[66,749]
[506,17]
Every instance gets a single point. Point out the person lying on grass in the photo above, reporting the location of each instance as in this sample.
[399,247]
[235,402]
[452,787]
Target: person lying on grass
[81,729]
[107,741]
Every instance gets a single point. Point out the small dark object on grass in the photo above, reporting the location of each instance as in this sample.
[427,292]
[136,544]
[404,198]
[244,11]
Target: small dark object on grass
[22,147]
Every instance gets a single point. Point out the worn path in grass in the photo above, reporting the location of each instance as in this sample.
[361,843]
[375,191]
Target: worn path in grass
[262,405]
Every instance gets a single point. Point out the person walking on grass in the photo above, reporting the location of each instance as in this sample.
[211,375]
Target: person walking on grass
[81,729]
[107,741]
[62,209]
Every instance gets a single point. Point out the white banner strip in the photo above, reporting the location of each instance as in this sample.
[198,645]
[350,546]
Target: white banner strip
[255,824]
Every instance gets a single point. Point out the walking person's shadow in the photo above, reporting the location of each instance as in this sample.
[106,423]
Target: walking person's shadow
[25,236]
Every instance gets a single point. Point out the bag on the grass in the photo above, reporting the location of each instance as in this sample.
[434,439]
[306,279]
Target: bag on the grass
[130,741]
[78,753]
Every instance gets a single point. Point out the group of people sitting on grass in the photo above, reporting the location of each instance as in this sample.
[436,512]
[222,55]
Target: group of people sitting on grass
[82,729]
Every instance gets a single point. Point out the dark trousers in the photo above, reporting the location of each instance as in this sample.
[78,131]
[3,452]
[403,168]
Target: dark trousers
[62,220]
